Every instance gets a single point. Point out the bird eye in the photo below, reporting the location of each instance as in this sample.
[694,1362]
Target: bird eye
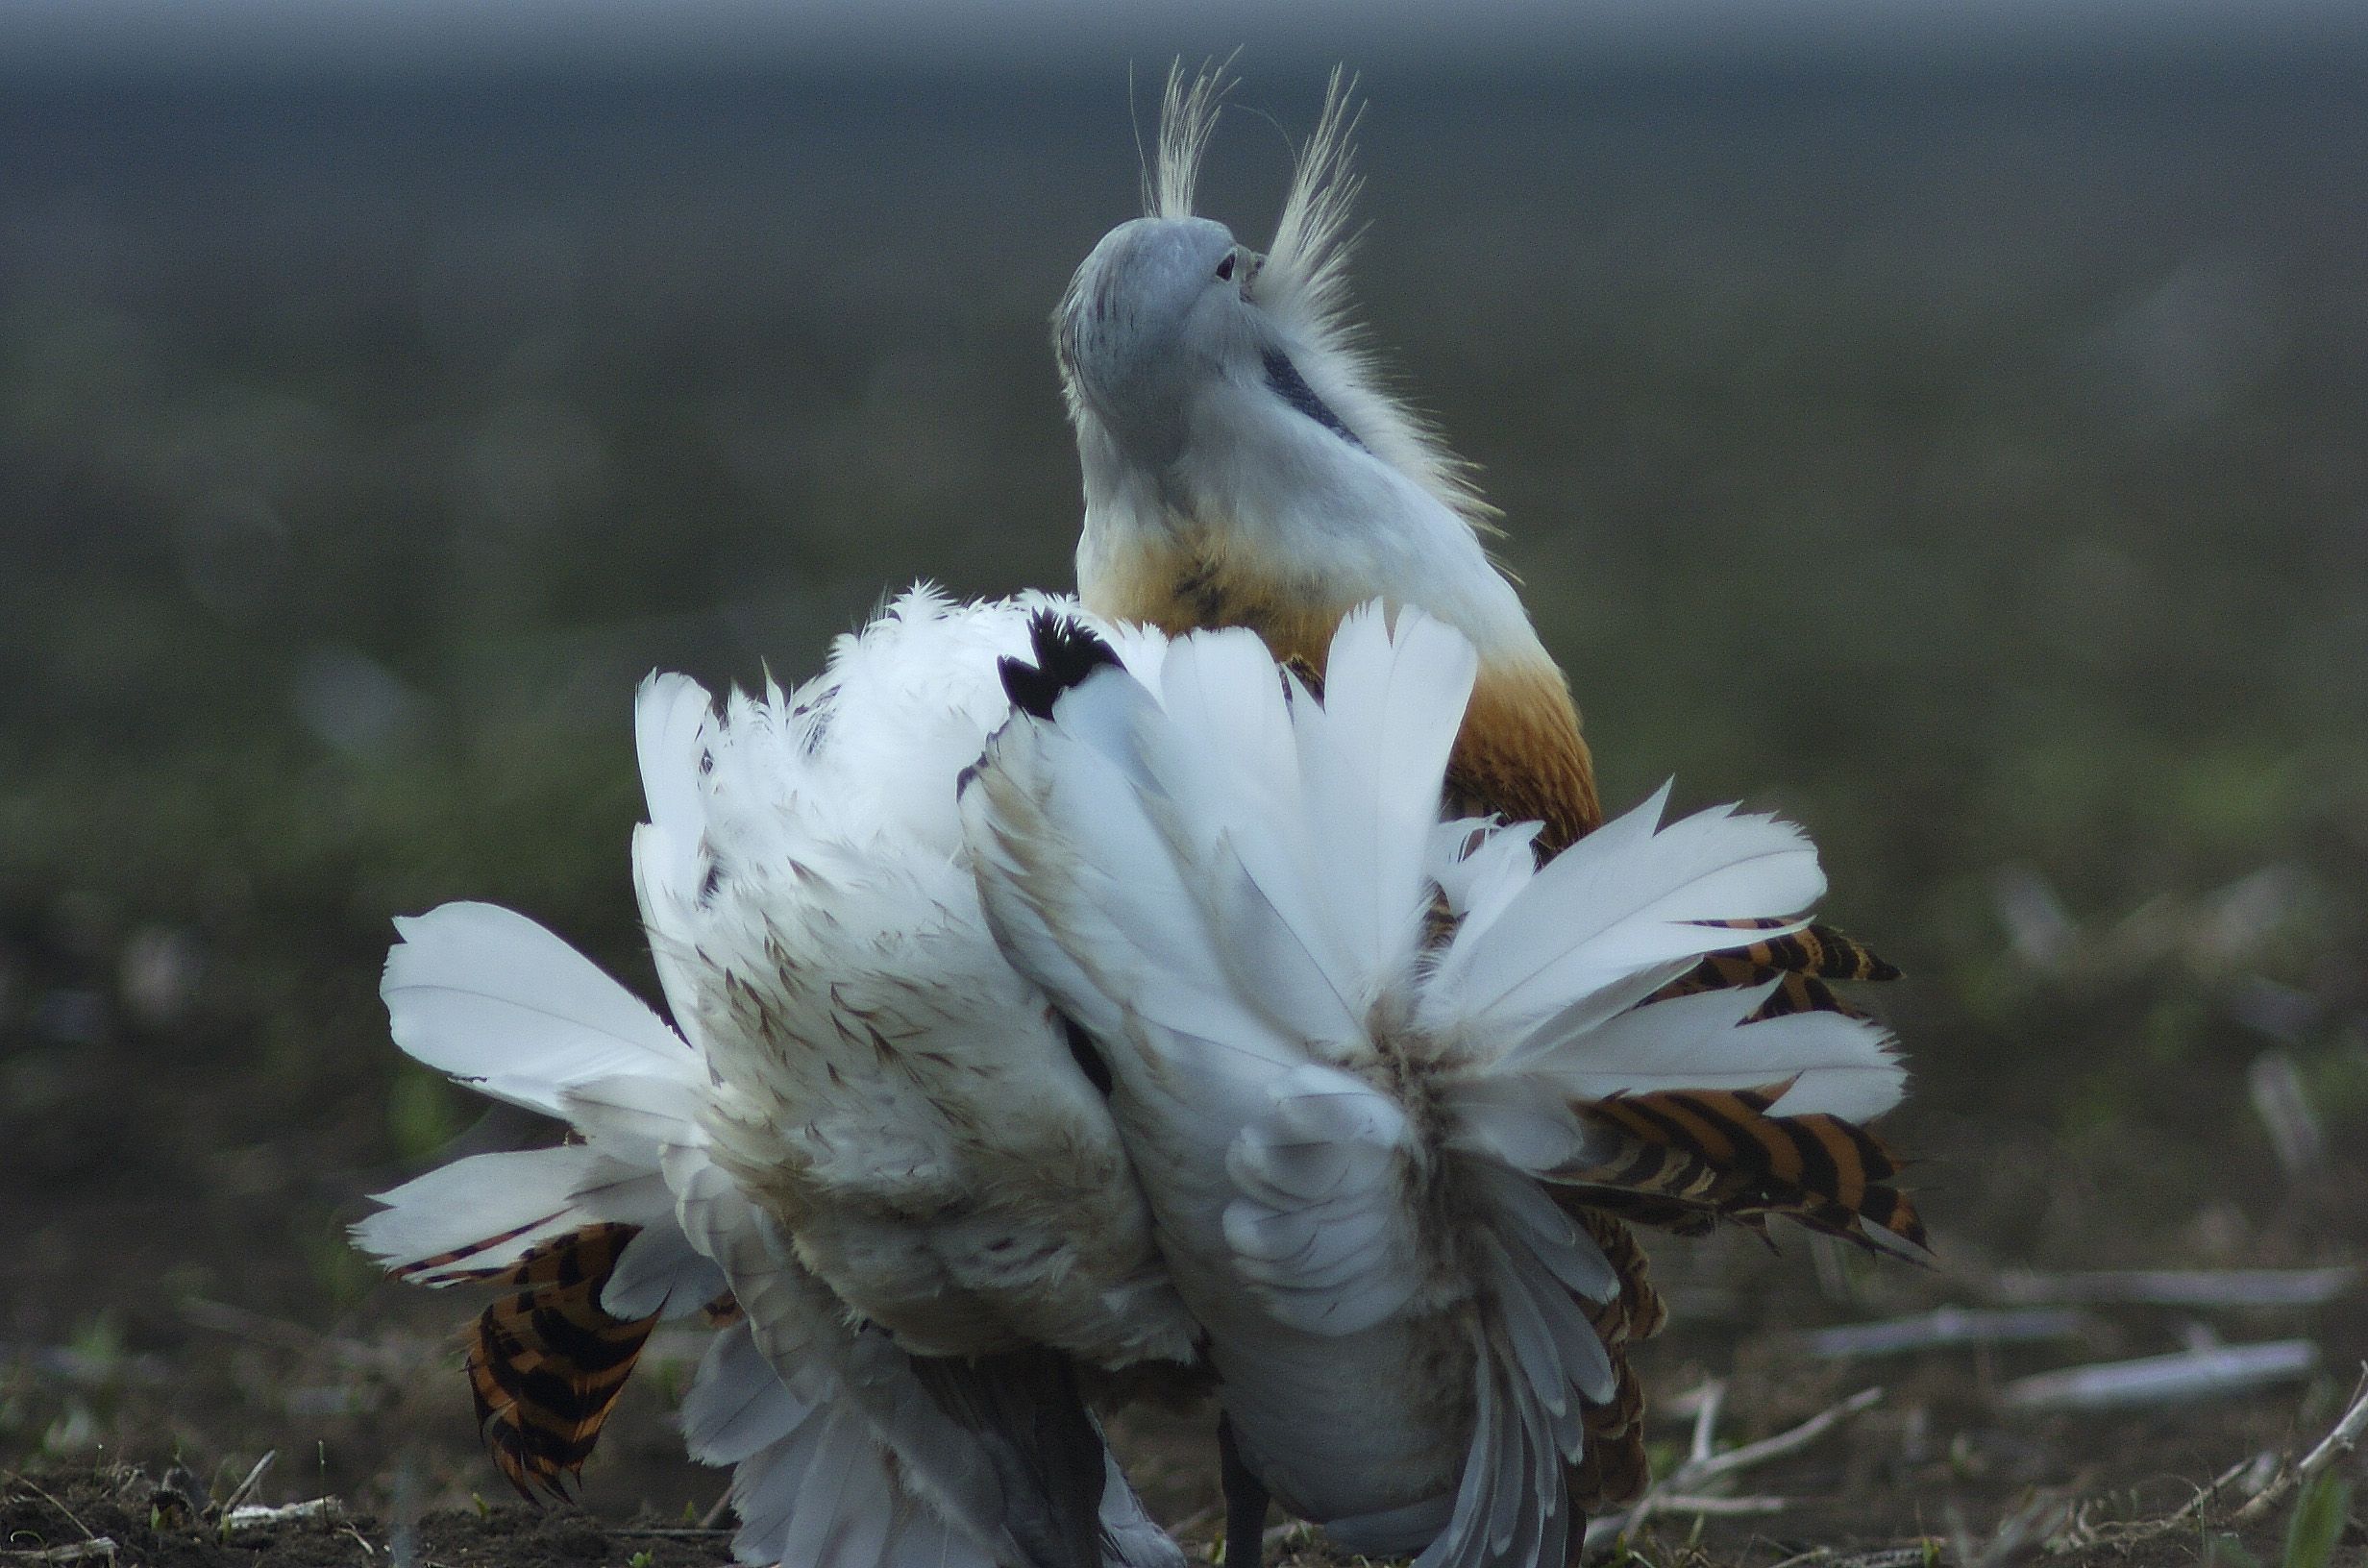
[1224,268]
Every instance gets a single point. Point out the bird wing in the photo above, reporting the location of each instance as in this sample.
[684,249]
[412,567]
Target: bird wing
[840,1455]
[892,1090]
[585,1233]
[1681,1109]
[1229,883]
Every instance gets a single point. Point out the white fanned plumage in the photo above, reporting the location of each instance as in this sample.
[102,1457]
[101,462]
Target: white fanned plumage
[871,1130]
[1348,1132]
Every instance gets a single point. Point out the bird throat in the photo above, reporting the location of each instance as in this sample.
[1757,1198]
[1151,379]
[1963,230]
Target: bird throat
[1520,754]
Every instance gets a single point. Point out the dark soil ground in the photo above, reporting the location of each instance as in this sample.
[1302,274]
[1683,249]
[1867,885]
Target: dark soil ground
[369,1407]
[1973,470]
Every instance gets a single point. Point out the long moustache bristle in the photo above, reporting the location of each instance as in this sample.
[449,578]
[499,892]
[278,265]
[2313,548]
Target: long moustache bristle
[1187,117]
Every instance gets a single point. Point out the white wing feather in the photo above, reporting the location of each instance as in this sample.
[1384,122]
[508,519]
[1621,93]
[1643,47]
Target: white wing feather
[1836,1064]
[1625,907]
[1372,755]
[1320,1228]
[525,1197]
[497,1001]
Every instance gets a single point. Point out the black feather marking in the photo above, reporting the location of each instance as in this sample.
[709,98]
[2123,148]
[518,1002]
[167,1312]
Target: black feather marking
[1286,384]
[1066,653]
[1088,1054]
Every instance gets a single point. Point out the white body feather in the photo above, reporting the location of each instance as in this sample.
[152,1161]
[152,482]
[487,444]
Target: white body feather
[1344,1136]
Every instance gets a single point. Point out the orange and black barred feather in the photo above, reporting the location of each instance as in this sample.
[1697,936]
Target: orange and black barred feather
[547,1364]
[1688,1159]
[1684,1162]
[1800,961]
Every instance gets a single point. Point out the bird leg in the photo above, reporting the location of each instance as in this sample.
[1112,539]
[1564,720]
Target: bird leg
[1246,1503]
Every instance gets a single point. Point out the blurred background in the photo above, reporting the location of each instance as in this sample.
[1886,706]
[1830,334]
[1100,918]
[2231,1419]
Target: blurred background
[1946,425]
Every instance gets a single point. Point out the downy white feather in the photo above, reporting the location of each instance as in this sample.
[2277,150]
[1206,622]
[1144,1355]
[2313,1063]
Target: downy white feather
[887,1089]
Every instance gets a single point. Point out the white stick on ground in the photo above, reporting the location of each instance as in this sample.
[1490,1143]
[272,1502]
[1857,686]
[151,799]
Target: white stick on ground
[254,1478]
[2180,1287]
[99,1548]
[242,1521]
[1945,1326]
[2163,1380]
[1778,1445]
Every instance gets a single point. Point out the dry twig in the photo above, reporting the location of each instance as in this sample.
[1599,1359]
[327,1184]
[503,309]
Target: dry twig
[2202,1373]
[71,1518]
[2203,1287]
[1949,1326]
[246,1488]
[99,1548]
[1694,1486]
[258,1516]
[1890,1556]
[2338,1444]
[2345,1437]
[2029,1526]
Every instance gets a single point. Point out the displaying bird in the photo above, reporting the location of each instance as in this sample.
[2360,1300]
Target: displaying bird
[1115,1058]
[872,1147]
[1363,1058]
[1244,466]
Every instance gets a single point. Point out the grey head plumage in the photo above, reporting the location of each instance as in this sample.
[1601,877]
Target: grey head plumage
[1171,301]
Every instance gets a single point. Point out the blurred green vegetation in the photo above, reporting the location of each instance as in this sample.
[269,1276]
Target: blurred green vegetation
[1977,471]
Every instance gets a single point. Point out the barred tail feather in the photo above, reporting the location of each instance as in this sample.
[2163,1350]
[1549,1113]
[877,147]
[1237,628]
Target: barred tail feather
[1614,1469]
[1686,1159]
[547,1364]
[1799,967]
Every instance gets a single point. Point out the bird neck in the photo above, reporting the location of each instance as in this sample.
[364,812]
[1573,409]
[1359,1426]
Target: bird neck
[1519,753]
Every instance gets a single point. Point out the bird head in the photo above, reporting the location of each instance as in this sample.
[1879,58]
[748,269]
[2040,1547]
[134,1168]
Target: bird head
[1161,307]
[1238,447]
